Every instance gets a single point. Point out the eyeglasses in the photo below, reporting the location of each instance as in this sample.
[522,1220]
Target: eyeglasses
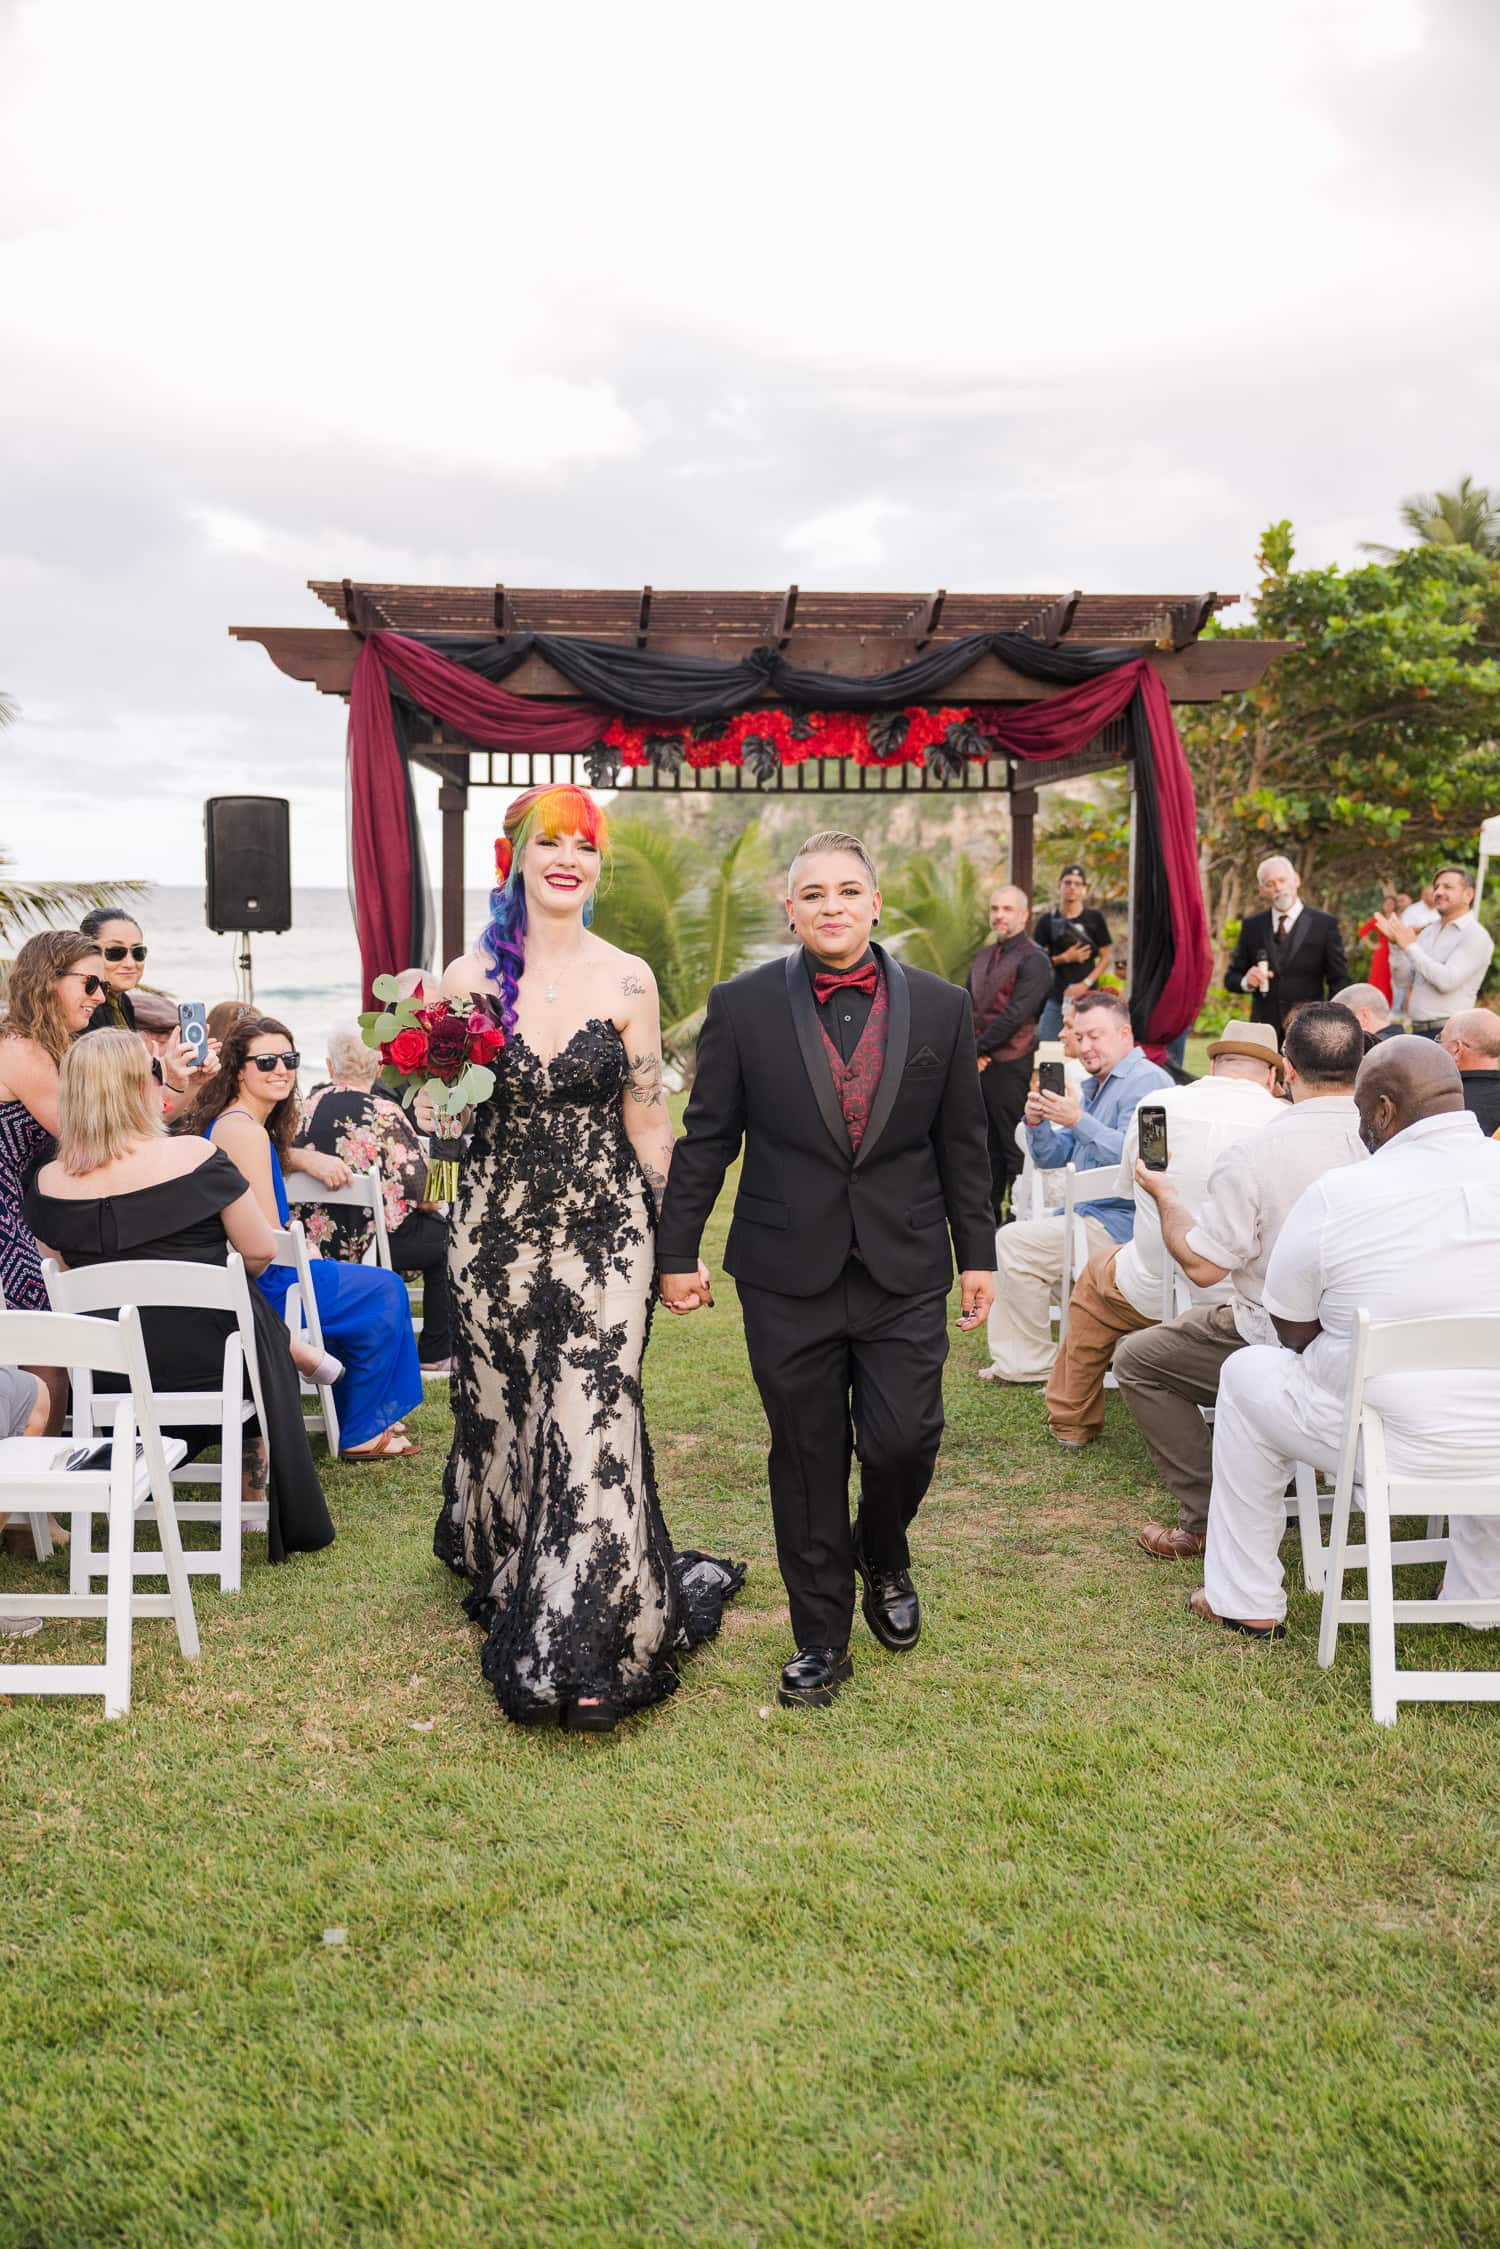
[92,985]
[269,1062]
[124,952]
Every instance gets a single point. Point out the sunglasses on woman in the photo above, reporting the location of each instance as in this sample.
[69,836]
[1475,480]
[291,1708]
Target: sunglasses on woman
[269,1062]
[92,985]
[124,952]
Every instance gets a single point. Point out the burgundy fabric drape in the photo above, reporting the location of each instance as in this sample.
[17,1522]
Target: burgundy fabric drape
[1060,727]
[382,845]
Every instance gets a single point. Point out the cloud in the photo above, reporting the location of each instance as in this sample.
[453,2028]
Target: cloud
[845,538]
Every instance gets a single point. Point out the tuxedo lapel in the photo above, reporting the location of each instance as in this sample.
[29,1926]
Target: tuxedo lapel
[814,1057]
[897,1046]
[1300,931]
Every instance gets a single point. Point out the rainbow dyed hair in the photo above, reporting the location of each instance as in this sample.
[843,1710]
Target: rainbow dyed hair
[554,809]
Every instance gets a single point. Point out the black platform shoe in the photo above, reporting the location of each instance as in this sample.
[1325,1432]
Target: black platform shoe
[890,1606]
[813,1677]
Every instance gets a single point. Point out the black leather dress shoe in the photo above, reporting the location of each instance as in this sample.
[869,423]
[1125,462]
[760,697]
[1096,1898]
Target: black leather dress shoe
[813,1677]
[890,1606]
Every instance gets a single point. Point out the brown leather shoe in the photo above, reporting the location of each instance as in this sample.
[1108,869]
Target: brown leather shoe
[1170,1546]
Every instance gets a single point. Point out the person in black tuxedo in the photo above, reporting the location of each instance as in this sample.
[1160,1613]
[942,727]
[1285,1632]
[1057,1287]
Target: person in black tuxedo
[853,1084]
[1289,954]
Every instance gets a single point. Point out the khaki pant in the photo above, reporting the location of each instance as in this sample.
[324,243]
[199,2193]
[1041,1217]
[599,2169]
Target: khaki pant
[1028,1275]
[1165,1375]
[1098,1315]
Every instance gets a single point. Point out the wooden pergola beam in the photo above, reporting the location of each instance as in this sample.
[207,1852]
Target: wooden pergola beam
[1201,672]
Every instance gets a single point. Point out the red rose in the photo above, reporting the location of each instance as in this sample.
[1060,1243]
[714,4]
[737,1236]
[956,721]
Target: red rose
[407,1050]
[485,1044]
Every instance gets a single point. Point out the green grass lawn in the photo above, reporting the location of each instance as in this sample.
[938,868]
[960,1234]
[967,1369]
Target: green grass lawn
[1083,1923]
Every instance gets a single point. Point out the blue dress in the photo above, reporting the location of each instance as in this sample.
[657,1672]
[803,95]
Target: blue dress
[365,1315]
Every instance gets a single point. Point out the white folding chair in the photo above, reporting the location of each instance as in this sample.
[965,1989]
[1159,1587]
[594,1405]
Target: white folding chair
[365,1192]
[41,1529]
[1467,1344]
[205,1288]
[137,1483]
[303,1322]
[1028,1197]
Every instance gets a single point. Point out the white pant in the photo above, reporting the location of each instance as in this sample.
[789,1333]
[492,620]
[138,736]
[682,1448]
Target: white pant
[1271,1414]
[1028,1275]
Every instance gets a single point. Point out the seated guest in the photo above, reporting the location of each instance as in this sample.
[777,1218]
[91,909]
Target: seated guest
[1168,1373]
[118,940]
[50,997]
[1412,1234]
[249,1108]
[1119,1291]
[118,1190]
[346,1120]
[1088,1132]
[1371,1011]
[223,1016]
[1473,1040]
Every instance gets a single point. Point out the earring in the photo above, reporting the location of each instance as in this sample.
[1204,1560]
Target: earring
[875,924]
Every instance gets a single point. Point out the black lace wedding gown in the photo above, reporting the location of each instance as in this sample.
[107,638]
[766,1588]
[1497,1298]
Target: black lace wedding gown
[550,1508]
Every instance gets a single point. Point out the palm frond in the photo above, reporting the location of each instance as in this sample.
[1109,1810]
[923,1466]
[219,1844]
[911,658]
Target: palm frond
[728,914]
[936,915]
[29,906]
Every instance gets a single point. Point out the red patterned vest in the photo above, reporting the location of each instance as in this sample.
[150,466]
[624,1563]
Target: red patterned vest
[855,1081]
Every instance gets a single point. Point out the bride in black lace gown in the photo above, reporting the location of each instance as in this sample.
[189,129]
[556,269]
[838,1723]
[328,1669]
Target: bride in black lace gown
[550,1508]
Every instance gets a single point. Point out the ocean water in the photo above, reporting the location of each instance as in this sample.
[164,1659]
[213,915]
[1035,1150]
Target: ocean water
[308,975]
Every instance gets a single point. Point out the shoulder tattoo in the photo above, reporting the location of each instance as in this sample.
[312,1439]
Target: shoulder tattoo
[632,987]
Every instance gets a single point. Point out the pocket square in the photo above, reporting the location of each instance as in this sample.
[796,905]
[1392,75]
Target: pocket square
[923,1059]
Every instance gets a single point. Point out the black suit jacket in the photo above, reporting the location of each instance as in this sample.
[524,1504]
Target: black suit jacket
[805,1199]
[1312,964]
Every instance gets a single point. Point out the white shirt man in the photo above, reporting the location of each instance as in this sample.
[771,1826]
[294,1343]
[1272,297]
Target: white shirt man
[1413,1233]
[1447,960]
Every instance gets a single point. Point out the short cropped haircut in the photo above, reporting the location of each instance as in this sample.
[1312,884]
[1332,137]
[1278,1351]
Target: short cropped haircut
[1091,1002]
[348,1055]
[830,839]
[1463,874]
[1324,1044]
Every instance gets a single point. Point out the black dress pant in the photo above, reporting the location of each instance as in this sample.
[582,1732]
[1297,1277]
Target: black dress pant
[852,1371]
[420,1245]
[1005,1086]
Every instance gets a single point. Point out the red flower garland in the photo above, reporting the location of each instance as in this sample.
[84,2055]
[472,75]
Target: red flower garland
[766,738]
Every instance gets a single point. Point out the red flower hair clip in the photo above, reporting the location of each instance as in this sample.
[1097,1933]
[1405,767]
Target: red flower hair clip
[504,858]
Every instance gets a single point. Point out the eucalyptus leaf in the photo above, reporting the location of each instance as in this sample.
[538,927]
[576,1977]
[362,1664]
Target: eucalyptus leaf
[386,988]
[480,1081]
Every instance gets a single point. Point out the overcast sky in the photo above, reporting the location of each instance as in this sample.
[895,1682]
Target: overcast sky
[989,297]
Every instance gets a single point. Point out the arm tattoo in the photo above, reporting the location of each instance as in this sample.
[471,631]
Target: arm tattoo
[656,1181]
[632,987]
[643,1084]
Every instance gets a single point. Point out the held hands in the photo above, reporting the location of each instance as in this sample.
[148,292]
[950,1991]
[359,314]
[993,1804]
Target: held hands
[978,1296]
[685,1292]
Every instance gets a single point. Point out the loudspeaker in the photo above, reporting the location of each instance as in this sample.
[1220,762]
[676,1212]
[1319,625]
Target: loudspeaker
[248,863]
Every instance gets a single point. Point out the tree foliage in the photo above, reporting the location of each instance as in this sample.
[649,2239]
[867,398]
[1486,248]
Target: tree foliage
[1368,754]
[1467,517]
[695,918]
[936,913]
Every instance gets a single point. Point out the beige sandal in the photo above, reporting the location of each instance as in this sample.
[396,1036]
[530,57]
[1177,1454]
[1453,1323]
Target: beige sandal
[386,1447]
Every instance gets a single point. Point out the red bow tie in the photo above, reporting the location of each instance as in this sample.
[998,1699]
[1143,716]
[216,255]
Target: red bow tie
[828,981]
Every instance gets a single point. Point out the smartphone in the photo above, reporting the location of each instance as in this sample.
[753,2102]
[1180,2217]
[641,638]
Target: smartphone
[1051,1078]
[1152,1123]
[192,1022]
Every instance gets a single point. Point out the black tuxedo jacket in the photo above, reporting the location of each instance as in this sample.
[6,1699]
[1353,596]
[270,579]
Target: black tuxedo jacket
[805,1199]
[1311,964]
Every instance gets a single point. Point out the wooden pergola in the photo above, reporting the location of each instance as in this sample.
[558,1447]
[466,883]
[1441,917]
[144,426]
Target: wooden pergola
[848,634]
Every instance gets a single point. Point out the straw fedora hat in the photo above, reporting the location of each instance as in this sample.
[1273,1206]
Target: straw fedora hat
[1257,1040]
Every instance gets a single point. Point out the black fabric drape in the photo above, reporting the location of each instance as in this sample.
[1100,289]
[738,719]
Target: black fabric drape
[646,684]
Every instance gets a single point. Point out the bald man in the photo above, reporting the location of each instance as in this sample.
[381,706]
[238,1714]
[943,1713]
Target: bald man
[1289,954]
[1473,1040]
[1413,1234]
[1008,984]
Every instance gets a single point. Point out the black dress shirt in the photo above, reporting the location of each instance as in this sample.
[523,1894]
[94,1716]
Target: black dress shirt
[1056,933]
[843,1015]
[1482,1097]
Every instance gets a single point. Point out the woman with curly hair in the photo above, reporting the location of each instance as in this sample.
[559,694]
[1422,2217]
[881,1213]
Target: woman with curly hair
[249,1108]
[54,987]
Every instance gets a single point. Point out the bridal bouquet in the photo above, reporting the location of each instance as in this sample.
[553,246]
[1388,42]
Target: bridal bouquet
[443,1048]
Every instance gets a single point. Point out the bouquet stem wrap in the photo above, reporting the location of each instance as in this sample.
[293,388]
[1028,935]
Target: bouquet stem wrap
[442,1169]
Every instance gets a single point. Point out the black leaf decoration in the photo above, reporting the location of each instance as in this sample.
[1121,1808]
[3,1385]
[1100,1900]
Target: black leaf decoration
[707,730]
[965,740]
[942,760]
[888,732]
[800,727]
[666,752]
[760,756]
[603,766]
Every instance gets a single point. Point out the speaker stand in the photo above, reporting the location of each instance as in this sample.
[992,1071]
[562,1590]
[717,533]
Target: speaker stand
[245,977]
